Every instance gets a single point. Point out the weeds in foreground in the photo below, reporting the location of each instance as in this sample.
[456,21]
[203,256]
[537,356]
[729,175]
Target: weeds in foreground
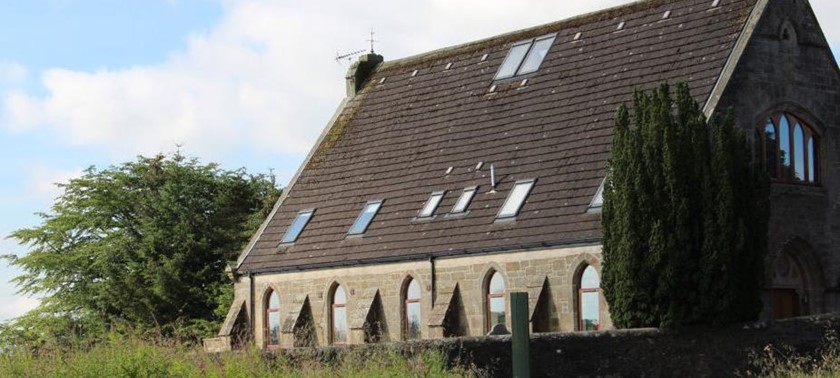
[137,358]
[785,361]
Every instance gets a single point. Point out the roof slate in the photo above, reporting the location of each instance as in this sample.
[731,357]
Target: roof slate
[396,139]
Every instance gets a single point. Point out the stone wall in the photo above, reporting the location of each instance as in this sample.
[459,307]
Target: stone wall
[788,66]
[619,353]
[552,273]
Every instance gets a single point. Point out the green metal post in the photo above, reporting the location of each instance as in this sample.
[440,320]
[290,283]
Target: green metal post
[521,338]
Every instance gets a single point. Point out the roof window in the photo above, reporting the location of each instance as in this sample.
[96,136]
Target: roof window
[365,217]
[431,205]
[464,200]
[598,200]
[293,232]
[525,57]
[516,199]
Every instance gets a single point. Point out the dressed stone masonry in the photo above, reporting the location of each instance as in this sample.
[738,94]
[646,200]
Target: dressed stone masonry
[527,117]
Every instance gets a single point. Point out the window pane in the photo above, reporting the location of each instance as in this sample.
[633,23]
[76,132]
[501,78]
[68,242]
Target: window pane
[771,146]
[274,300]
[536,55]
[589,308]
[412,315]
[363,221]
[497,311]
[339,325]
[431,204]
[590,279]
[274,328]
[413,290]
[297,226]
[497,284]
[464,200]
[598,201]
[512,61]
[340,297]
[784,147]
[799,153]
[812,166]
[515,199]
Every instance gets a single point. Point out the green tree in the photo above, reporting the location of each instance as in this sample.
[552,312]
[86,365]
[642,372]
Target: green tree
[684,218]
[141,245]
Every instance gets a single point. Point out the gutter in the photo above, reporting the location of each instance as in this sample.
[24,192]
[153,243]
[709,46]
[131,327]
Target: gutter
[452,253]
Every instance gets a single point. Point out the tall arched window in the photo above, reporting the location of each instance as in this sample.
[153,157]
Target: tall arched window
[338,316]
[589,300]
[411,321]
[789,147]
[272,320]
[495,310]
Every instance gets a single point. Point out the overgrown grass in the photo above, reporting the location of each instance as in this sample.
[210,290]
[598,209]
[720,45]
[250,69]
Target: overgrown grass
[785,361]
[120,357]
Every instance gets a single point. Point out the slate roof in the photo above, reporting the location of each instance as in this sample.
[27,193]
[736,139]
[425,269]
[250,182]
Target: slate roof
[396,138]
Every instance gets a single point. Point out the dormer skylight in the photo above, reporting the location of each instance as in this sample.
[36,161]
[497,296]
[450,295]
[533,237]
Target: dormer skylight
[464,200]
[598,201]
[365,217]
[525,57]
[516,198]
[293,232]
[431,205]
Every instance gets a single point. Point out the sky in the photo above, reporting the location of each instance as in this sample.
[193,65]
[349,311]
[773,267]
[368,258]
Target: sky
[244,83]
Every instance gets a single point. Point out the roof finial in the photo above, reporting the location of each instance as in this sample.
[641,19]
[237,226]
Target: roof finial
[371,40]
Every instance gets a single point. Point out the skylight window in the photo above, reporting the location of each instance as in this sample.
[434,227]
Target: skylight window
[431,205]
[365,217]
[293,232]
[464,200]
[516,199]
[525,57]
[598,200]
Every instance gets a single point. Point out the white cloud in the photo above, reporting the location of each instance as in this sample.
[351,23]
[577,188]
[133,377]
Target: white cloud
[12,72]
[263,78]
[16,306]
[43,180]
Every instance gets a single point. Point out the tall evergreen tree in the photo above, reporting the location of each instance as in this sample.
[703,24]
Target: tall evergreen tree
[684,218]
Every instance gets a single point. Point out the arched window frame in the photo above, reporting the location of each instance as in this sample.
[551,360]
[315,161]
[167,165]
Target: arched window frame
[489,296]
[584,290]
[268,311]
[408,301]
[334,305]
[809,147]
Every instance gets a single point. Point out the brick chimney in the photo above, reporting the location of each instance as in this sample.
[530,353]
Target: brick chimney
[360,71]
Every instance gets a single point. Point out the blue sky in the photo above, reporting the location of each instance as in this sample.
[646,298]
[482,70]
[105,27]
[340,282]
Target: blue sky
[245,83]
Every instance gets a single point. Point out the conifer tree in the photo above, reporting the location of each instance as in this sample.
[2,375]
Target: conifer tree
[684,218]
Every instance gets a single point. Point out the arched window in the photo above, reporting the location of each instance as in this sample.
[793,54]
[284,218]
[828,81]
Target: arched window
[411,320]
[272,320]
[589,300]
[789,147]
[338,316]
[495,301]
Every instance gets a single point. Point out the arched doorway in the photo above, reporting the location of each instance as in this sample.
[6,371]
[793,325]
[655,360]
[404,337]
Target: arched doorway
[796,284]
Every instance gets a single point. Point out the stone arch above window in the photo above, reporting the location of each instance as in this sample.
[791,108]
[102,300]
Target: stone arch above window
[495,302]
[789,149]
[272,319]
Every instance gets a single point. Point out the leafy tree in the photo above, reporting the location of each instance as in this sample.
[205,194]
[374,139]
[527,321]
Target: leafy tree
[684,218]
[141,245]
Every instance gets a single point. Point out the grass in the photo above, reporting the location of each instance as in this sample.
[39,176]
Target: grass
[121,357]
[784,361]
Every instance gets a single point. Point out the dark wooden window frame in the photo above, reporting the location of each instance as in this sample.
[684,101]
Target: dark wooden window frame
[269,310]
[406,302]
[807,133]
[581,291]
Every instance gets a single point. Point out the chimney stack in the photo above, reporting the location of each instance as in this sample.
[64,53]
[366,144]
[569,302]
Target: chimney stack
[360,70]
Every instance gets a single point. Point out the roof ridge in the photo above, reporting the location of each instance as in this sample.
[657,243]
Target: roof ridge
[573,21]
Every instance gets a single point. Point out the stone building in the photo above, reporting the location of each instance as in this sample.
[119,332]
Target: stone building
[448,179]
